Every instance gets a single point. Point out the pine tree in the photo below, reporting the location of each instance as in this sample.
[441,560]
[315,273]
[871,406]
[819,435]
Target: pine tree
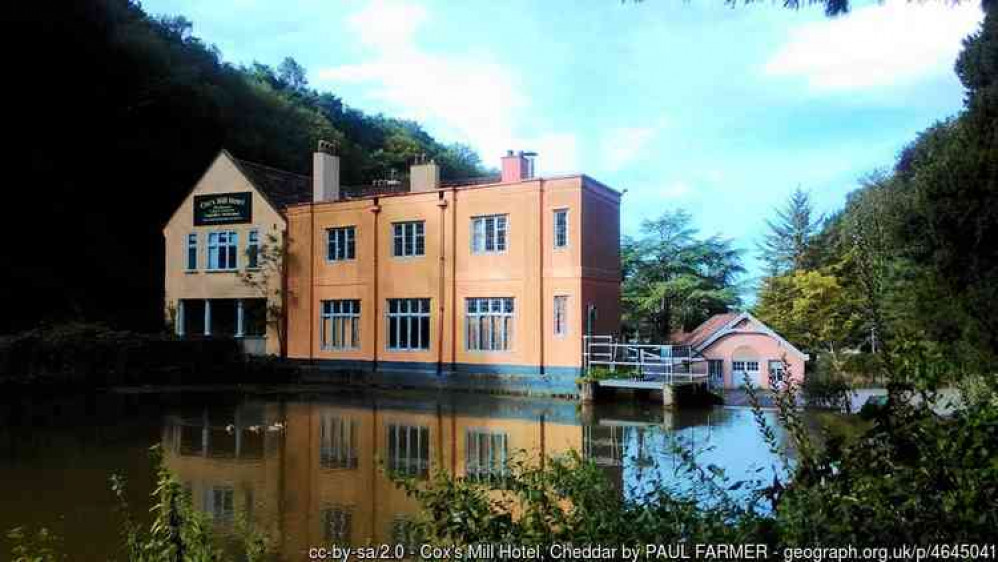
[788,245]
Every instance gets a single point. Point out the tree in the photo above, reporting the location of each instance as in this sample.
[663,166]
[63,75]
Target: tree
[673,280]
[292,75]
[788,245]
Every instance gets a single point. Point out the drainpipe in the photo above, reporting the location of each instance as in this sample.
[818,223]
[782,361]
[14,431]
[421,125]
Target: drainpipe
[311,285]
[540,270]
[376,209]
[453,282]
[442,204]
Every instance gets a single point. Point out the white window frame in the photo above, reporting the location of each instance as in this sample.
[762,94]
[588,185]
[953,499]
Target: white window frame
[341,243]
[253,249]
[192,245]
[408,449]
[335,318]
[490,234]
[223,246]
[560,232]
[412,235]
[337,442]
[781,373]
[488,324]
[408,314]
[560,315]
[486,454]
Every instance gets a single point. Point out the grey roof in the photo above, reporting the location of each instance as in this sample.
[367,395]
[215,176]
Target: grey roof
[280,187]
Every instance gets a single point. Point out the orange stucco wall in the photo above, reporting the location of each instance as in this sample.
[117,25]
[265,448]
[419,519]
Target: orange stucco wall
[223,176]
[286,489]
[530,270]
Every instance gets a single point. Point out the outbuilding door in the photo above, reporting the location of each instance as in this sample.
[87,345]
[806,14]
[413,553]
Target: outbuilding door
[744,369]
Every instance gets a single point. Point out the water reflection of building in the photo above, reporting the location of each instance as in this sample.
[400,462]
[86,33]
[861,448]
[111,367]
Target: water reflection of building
[310,473]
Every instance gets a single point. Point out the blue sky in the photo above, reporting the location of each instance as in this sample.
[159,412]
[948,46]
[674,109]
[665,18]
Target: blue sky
[691,104]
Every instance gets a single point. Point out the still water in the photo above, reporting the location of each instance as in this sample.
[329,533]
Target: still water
[306,467]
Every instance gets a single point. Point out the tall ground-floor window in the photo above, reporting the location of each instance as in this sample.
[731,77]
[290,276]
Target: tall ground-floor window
[408,450]
[489,324]
[560,315]
[408,324]
[340,324]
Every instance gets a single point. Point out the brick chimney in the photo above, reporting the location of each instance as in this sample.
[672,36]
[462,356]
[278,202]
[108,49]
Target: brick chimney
[325,173]
[424,175]
[517,167]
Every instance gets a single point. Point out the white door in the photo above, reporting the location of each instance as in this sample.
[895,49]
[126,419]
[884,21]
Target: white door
[742,369]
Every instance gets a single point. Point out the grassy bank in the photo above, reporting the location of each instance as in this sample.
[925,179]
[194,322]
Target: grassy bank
[90,356]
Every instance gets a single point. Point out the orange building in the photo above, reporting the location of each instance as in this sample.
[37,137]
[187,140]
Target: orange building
[491,282]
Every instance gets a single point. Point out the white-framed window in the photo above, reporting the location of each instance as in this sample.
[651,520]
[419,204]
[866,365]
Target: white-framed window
[223,250]
[408,450]
[339,324]
[488,234]
[489,324]
[341,243]
[253,249]
[220,503]
[560,315]
[486,455]
[409,239]
[408,324]
[560,223]
[777,371]
[337,442]
[192,251]
[715,372]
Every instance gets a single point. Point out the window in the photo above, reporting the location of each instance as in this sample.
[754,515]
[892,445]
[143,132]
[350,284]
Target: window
[715,372]
[408,450]
[336,523]
[223,250]
[220,503]
[561,228]
[253,249]
[489,324]
[776,371]
[337,442]
[408,324]
[340,324]
[341,243]
[409,239]
[485,455]
[560,315]
[488,234]
[192,252]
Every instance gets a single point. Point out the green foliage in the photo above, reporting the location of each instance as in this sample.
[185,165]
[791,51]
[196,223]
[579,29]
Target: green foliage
[674,280]
[39,547]
[155,104]
[908,477]
[788,246]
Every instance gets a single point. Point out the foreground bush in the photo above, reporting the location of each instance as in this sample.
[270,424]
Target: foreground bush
[912,478]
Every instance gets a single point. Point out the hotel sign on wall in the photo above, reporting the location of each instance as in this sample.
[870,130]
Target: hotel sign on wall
[223,208]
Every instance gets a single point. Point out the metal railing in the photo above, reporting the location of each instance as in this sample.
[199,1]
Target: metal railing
[645,362]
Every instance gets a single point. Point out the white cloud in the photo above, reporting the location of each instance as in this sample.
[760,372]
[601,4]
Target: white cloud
[877,45]
[625,145]
[474,99]
[675,190]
